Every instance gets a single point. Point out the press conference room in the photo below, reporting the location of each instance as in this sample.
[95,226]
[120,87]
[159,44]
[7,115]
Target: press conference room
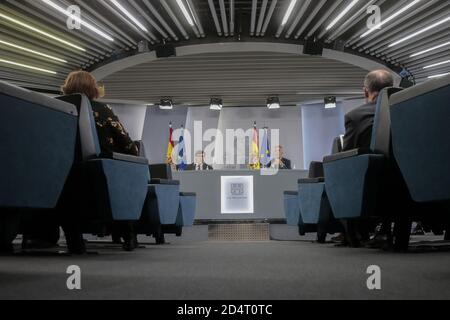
[224,150]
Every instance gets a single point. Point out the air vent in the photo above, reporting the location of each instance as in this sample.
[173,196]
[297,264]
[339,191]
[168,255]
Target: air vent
[239,232]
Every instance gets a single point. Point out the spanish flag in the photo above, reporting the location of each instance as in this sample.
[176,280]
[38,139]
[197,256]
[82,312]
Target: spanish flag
[255,163]
[170,145]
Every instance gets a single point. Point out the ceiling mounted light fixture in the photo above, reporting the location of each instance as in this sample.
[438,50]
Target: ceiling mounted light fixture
[216,104]
[439,75]
[330,103]
[273,103]
[437,64]
[166,104]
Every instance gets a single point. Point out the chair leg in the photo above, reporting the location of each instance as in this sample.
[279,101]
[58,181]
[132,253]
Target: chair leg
[9,227]
[351,233]
[402,233]
[321,237]
[159,235]
[74,239]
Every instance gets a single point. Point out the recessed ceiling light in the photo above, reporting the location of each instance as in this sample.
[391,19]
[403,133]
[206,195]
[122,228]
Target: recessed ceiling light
[32,51]
[26,66]
[48,35]
[330,102]
[78,19]
[166,104]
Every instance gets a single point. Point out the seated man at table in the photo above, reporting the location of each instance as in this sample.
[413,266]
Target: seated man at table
[279,162]
[199,164]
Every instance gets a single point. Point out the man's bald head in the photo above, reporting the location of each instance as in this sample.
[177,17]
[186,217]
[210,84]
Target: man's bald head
[376,81]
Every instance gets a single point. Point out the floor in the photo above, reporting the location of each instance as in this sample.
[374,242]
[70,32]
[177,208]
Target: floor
[216,270]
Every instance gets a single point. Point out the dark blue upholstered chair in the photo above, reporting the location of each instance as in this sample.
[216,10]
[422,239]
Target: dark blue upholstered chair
[353,178]
[162,214]
[421,139]
[186,211]
[105,187]
[37,136]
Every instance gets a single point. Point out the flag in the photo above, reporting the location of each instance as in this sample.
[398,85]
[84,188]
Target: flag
[181,152]
[265,149]
[170,145]
[254,160]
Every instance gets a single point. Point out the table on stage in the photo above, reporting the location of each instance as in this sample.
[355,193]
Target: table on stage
[239,194]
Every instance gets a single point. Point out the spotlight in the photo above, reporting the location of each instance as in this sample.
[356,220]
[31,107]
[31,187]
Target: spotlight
[273,103]
[216,104]
[166,104]
[330,102]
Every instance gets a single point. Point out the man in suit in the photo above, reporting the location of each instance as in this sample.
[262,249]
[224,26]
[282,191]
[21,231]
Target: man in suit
[199,164]
[358,135]
[359,122]
[279,162]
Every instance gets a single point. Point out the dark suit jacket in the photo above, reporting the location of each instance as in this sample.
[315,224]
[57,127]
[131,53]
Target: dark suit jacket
[358,127]
[287,164]
[191,167]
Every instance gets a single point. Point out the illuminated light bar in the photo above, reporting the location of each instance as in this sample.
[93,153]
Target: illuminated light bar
[26,66]
[78,19]
[392,17]
[48,35]
[439,75]
[289,12]
[185,12]
[342,14]
[420,32]
[32,51]
[129,15]
[430,49]
[437,64]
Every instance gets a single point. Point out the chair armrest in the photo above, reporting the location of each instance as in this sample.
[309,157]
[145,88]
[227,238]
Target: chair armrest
[165,182]
[188,194]
[291,193]
[124,157]
[346,155]
[311,180]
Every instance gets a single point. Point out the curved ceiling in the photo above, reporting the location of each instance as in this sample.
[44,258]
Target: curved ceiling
[240,79]
[33,33]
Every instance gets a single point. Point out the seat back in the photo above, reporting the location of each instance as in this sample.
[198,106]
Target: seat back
[338,145]
[381,132]
[89,145]
[37,137]
[421,139]
[316,170]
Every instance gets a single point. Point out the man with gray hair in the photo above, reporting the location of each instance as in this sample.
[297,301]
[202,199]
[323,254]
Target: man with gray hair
[359,122]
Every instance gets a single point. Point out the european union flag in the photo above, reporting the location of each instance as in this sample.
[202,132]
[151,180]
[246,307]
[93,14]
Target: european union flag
[265,149]
[182,152]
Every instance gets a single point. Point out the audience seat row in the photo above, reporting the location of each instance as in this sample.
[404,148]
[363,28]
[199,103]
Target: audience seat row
[54,162]
[404,176]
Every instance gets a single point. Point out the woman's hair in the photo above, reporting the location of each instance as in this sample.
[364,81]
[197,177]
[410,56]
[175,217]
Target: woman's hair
[83,82]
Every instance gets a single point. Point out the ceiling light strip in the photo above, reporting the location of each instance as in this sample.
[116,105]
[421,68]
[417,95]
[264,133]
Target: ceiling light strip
[46,34]
[289,12]
[430,49]
[31,51]
[437,64]
[342,14]
[78,19]
[415,34]
[439,75]
[390,18]
[26,66]
[129,15]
